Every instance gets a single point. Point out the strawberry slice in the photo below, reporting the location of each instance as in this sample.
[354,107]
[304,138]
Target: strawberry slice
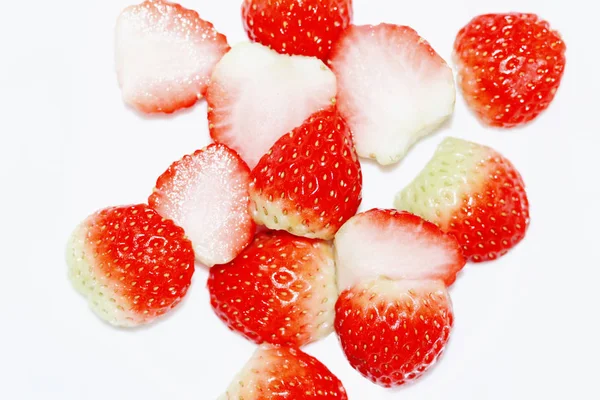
[310,182]
[131,264]
[280,290]
[283,373]
[393,89]
[257,95]
[509,67]
[207,194]
[303,27]
[394,331]
[165,55]
[475,194]
[394,245]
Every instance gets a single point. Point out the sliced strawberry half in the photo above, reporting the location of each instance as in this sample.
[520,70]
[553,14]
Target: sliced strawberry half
[280,290]
[131,264]
[394,245]
[283,373]
[165,55]
[257,95]
[393,89]
[475,194]
[509,67]
[207,194]
[310,182]
[303,27]
[394,331]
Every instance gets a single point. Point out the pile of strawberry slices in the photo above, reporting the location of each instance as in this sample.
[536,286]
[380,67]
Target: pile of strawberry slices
[272,207]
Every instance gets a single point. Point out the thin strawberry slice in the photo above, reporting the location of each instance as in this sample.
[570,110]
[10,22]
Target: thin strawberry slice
[394,331]
[473,193]
[394,245]
[207,194]
[131,264]
[310,181]
[280,290]
[257,95]
[393,89]
[165,55]
[284,373]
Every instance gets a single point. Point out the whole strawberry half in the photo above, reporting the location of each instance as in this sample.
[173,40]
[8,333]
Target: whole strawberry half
[284,373]
[394,331]
[473,193]
[131,264]
[257,95]
[509,67]
[310,182]
[206,193]
[393,89]
[280,290]
[395,245]
[165,55]
[303,27]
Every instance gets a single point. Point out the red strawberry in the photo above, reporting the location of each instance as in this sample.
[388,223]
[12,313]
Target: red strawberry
[131,264]
[394,245]
[280,290]
[393,89]
[257,95]
[165,55]
[509,67]
[310,182]
[303,27]
[282,373]
[207,194]
[474,193]
[394,331]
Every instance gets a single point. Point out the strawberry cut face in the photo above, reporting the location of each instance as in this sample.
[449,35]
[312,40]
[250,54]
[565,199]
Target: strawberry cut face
[131,264]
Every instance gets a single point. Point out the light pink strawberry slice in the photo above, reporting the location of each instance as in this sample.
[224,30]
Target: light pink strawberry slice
[257,95]
[206,193]
[165,55]
[393,89]
[397,246]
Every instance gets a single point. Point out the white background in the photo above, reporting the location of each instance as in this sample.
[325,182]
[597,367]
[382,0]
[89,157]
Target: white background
[526,326]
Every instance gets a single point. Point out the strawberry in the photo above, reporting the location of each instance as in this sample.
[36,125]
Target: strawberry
[257,95]
[165,55]
[474,193]
[207,194]
[394,331]
[393,89]
[395,245]
[509,67]
[131,264]
[284,373]
[310,182]
[280,290]
[303,27]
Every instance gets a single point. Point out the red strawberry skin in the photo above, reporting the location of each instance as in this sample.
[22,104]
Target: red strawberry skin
[131,263]
[510,67]
[284,373]
[280,290]
[310,182]
[301,27]
[394,331]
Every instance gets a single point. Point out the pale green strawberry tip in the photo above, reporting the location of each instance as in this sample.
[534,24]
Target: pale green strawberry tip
[438,190]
